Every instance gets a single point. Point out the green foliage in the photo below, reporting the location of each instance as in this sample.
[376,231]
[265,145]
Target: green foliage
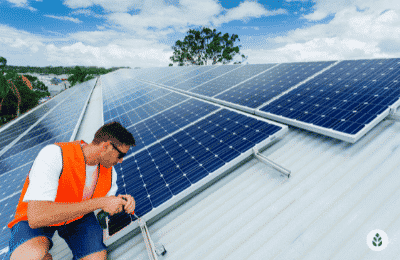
[58,70]
[89,77]
[3,63]
[78,75]
[31,78]
[4,88]
[37,84]
[200,47]
[29,98]
[10,74]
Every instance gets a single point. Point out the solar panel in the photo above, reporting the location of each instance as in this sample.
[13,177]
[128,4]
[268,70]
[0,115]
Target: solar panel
[159,174]
[12,130]
[151,73]
[7,210]
[62,119]
[56,126]
[187,76]
[230,79]
[205,76]
[174,72]
[344,102]
[271,83]
[179,142]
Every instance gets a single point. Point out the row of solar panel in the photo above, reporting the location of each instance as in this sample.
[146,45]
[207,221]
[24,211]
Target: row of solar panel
[13,130]
[208,143]
[57,126]
[364,88]
[340,107]
[168,166]
[345,98]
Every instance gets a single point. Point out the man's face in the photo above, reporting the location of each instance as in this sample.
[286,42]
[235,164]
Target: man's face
[113,154]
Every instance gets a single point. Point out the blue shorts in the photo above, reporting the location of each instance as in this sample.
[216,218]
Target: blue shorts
[83,236]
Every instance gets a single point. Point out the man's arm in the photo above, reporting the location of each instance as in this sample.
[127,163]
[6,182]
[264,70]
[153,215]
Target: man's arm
[46,213]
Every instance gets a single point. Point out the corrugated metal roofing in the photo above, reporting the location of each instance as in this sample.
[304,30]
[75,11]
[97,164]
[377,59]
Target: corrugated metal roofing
[337,193]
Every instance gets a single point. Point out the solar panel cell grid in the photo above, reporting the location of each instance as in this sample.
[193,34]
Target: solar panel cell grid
[7,210]
[11,133]
[56,123]
[175,72]
[345,98]
[168,167]
[230,79]
[167,122]
[188,75]
[206,76]
[271,83]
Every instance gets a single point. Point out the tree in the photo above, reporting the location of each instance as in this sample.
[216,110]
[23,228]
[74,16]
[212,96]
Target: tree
[3,63]
[78,75]
[200,47]
[4,87]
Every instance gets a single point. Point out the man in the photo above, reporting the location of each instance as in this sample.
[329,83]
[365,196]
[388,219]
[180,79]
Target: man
[66,183]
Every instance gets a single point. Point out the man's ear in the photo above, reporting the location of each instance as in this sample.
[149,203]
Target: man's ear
[104,145]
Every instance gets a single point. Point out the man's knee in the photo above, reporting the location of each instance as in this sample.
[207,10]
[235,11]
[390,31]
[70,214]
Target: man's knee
[35,248]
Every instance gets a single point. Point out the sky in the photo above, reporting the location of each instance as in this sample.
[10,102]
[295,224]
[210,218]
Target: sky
[140,33]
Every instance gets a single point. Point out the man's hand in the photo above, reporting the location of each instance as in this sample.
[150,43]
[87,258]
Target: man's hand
[130,203]
[113,205]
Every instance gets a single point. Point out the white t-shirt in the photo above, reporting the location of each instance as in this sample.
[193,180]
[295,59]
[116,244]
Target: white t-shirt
[46,171]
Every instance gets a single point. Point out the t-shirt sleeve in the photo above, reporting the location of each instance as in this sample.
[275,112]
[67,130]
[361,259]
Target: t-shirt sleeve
[44,174]
[114,186]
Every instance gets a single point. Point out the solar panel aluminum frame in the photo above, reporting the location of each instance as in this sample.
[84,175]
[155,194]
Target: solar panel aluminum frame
[329,132]
[276,65]
[157,213]
[211,99]
[298,84]
[78,123]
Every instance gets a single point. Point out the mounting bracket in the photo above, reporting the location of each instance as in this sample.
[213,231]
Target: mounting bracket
[268,162]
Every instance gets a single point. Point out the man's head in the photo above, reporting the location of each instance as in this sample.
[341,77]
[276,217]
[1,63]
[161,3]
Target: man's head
[115,142]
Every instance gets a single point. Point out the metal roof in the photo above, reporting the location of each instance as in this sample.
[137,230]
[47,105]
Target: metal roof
[337,193]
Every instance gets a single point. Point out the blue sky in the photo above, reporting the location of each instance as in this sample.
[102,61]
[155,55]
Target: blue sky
[140,33]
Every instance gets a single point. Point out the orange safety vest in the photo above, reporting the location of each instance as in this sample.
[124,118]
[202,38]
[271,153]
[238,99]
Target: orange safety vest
[71,182]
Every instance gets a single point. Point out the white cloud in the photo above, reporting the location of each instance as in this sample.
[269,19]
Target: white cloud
[23,4]
[64,18]
[323,8]
[130,53]
[109,6]
[107,49]
[87,12]
[245,11]
[19,3]
[157,14]
[161,17]
[363,30]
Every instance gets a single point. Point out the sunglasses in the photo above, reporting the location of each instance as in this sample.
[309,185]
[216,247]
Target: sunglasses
[121,154]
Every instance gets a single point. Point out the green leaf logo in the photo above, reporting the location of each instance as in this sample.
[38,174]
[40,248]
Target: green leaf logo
[377,240]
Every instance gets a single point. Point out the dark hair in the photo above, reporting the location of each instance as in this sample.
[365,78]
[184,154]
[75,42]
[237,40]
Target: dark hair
[114,132]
